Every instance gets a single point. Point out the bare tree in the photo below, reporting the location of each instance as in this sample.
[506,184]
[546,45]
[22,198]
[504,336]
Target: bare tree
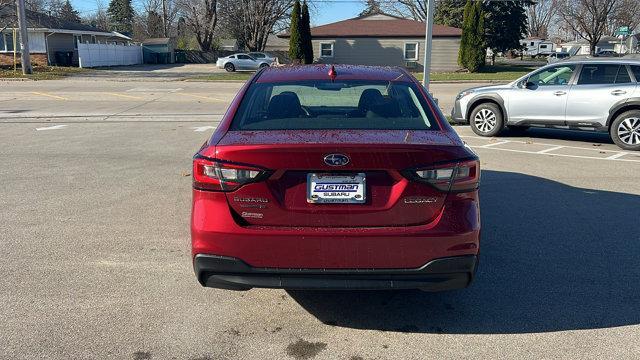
[36,5]
[412,9]
[201,17]
[590,19]
[167,10]
[251,21]
[627,15]
[99,17]
[540,14]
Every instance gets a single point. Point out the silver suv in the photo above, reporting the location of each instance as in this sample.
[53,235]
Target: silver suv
[587,94]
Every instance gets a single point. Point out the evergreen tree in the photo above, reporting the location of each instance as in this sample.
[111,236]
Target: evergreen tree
[450,13]
[121,16]
[477,44]
[472,46]
[371,7]
[466,31]
[506,25]
[68,13]
[305,33]
[296,53]
[155,26]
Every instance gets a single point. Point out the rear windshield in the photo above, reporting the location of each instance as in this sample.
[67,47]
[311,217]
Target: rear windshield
[321,105]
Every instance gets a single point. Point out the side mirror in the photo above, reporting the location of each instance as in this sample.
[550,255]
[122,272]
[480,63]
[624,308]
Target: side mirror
[531,86]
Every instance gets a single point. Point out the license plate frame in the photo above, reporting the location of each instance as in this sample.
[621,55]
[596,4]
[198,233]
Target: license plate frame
[344,186]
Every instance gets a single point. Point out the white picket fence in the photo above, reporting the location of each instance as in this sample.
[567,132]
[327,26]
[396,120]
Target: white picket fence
[93,55]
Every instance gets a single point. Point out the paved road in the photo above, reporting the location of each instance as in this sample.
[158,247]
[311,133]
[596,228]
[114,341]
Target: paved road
[95,244]
[108,100]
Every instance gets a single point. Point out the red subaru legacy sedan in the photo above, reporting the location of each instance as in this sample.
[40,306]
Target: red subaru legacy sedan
[345,177]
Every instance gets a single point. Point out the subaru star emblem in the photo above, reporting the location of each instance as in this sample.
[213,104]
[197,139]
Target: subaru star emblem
[336,160]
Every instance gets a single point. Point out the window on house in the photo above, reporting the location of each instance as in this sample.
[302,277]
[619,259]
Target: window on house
[326,49]
[411,51]
[7,43]
[532,43]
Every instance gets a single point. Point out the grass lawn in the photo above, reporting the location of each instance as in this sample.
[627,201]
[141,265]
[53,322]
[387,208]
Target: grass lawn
[40,72]
[488,73]
[244,75]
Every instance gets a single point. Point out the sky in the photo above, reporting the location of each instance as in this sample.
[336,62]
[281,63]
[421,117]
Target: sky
[322,11]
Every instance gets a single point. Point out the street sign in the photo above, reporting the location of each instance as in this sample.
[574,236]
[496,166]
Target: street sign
[623,30]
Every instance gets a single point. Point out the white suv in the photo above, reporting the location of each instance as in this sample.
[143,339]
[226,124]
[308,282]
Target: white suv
[589,94]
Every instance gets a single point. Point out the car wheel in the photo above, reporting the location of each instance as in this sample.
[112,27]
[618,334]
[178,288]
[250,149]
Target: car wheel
[625,130]
[264,65]
[486,120]
[229,67]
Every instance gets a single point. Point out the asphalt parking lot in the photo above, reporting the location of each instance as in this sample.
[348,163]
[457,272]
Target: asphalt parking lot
[94,234]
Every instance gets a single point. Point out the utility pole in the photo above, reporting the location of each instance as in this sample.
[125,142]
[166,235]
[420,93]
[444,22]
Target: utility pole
[24,39]
[164,18]
[431,7]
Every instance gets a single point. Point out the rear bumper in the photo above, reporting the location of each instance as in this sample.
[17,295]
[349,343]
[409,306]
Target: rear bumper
[234,274]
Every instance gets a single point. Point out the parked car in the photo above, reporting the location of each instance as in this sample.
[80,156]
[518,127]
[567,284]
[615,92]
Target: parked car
[335,178]
[607,53]
[263,56]
[589,94]
[557,56]
[242,62]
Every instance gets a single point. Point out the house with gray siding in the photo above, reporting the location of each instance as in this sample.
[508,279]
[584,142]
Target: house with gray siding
[382,39]
[50,39]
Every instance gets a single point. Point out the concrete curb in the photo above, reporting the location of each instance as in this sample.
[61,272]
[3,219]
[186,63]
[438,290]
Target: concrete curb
[16,79]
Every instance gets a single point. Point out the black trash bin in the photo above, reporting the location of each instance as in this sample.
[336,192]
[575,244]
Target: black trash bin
[64,58]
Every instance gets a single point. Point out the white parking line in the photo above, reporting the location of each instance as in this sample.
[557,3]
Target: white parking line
[202,128]
[617,158]
[495,144]
[549,149]
[530,142]
[618,155]
[54,127]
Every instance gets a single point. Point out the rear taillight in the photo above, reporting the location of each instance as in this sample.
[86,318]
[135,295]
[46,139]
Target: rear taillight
[221,176]
[457,176]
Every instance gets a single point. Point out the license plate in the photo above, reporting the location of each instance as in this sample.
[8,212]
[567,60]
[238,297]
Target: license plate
[336,188]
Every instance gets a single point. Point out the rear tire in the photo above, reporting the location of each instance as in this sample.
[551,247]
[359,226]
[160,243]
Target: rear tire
[486,119]
[229,67]
[625,130]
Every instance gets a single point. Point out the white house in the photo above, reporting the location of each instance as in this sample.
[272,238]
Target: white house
[51,40]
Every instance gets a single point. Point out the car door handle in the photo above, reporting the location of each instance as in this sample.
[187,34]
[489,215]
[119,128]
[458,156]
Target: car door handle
[560,93]
[618,92]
